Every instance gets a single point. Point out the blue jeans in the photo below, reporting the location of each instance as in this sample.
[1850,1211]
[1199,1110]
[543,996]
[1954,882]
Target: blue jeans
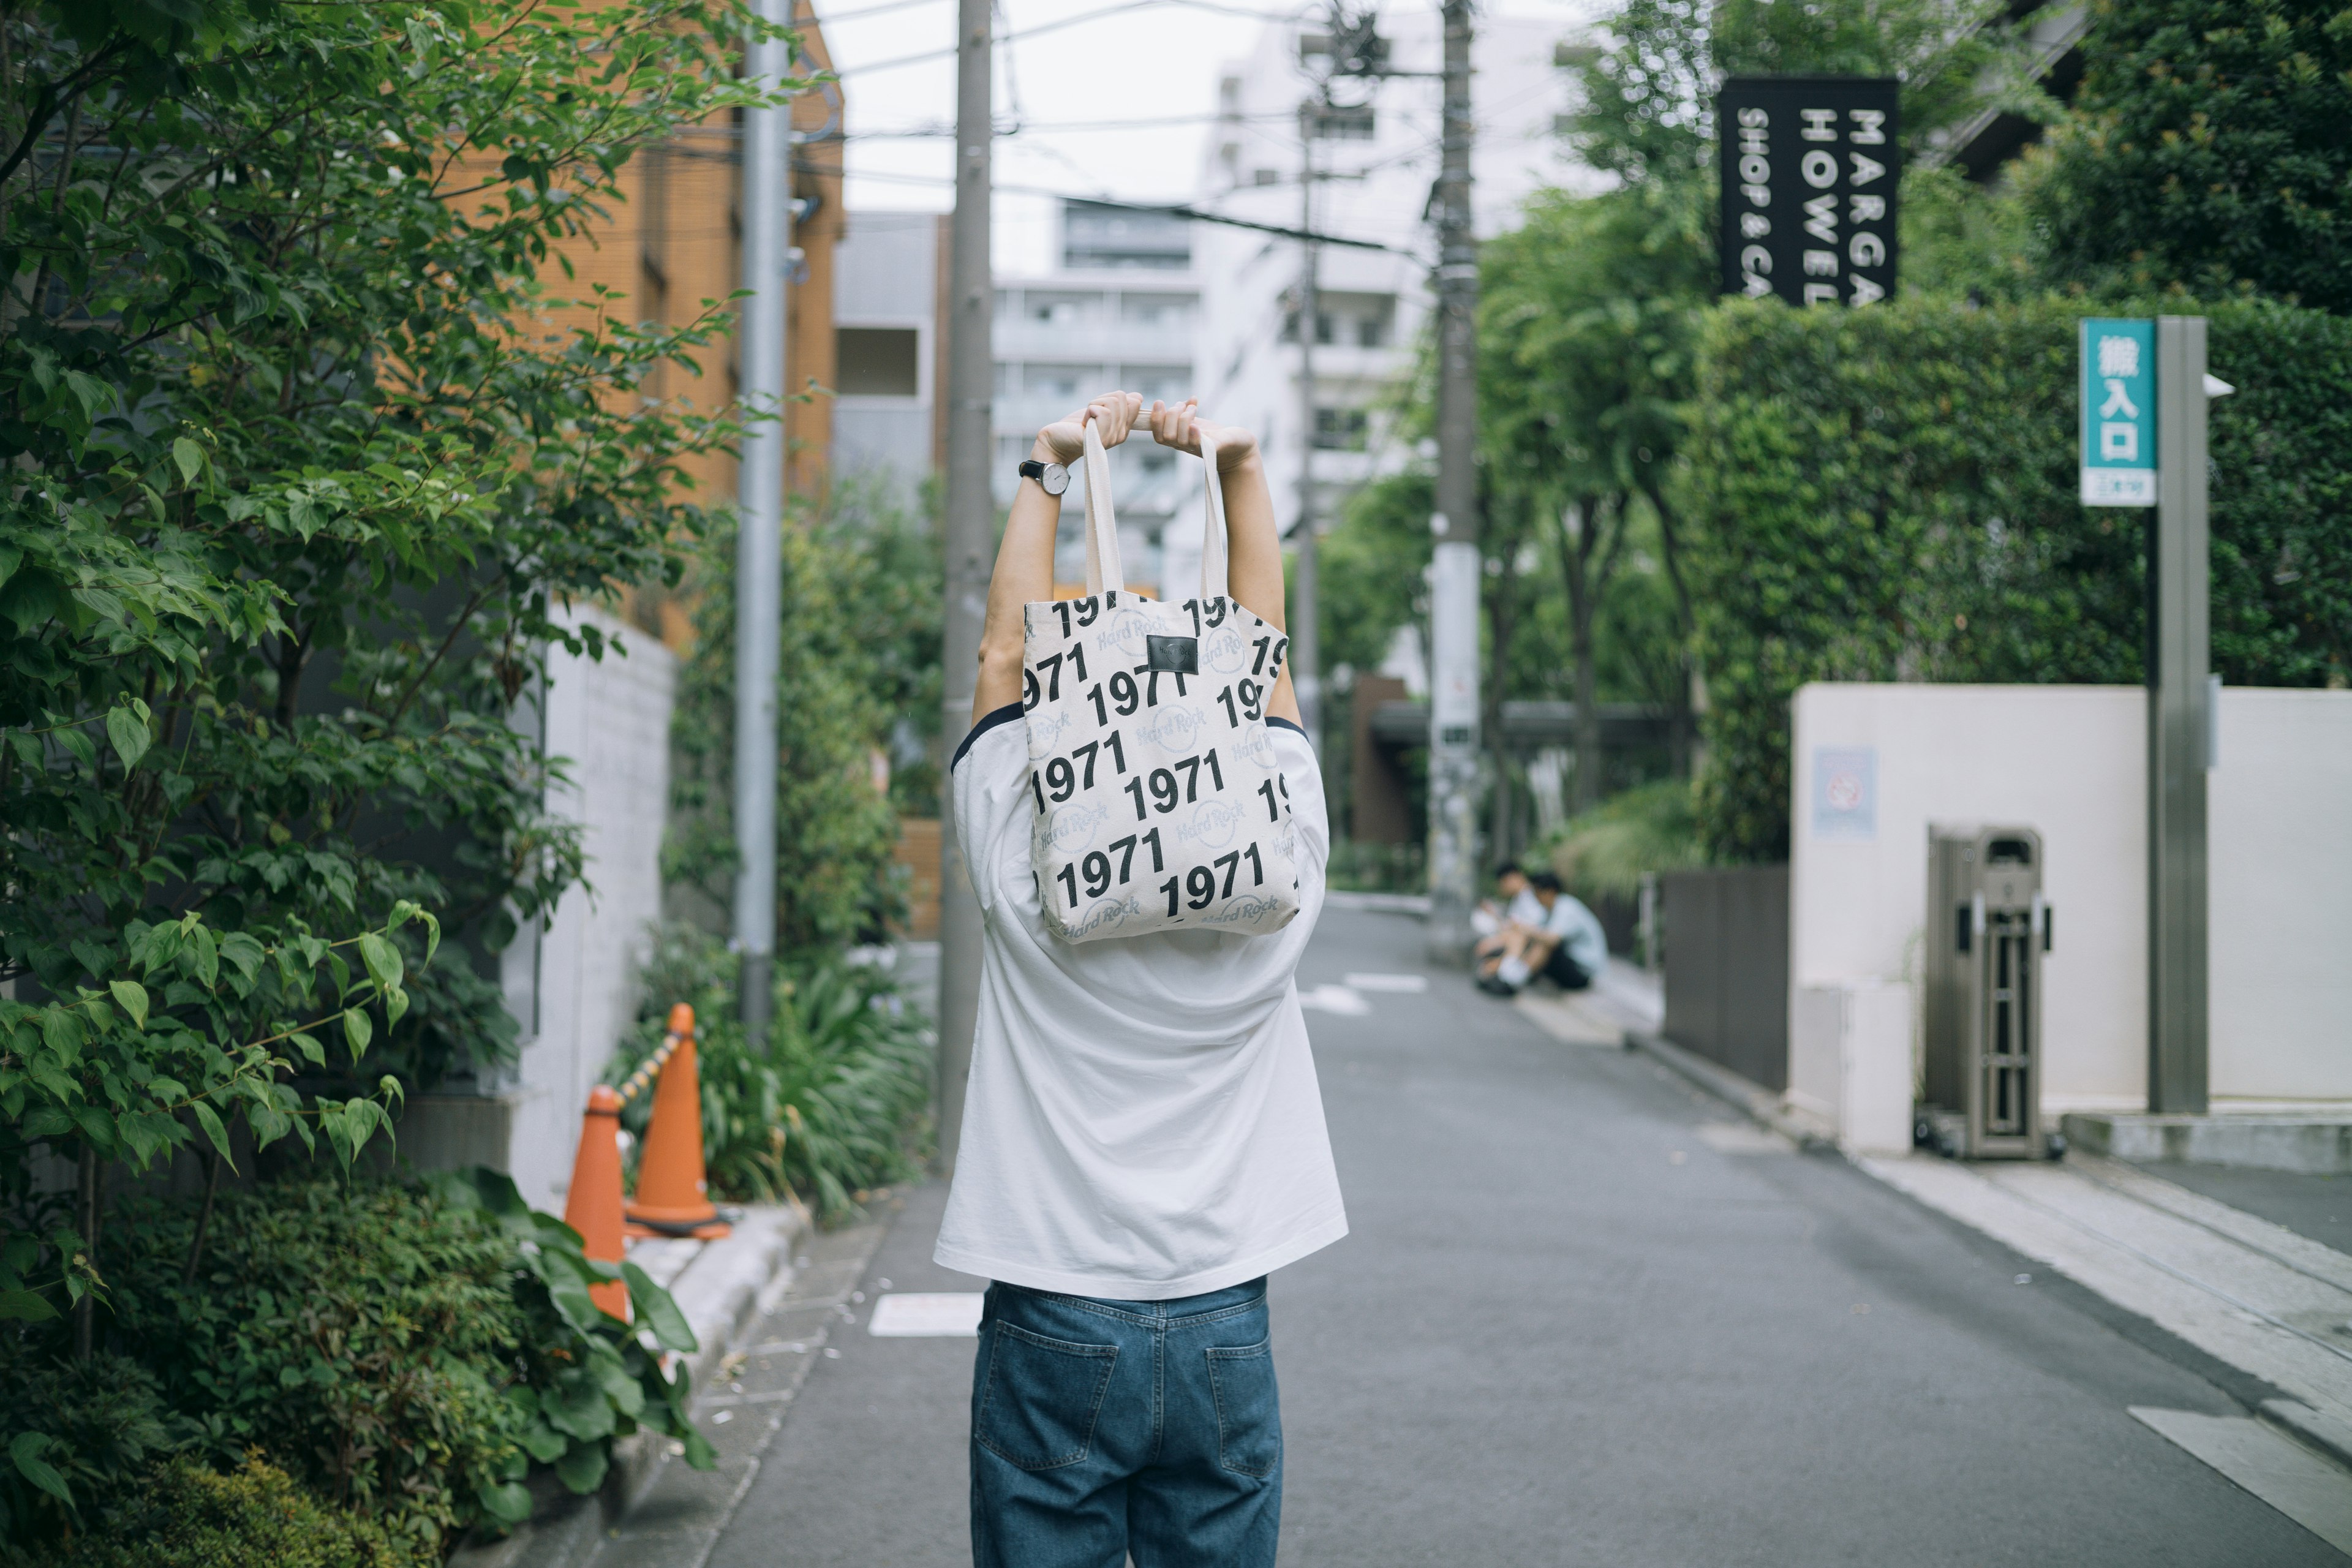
[1102,1430]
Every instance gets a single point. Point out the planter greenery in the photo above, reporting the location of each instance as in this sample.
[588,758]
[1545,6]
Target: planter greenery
[838,1102]
[403,1353]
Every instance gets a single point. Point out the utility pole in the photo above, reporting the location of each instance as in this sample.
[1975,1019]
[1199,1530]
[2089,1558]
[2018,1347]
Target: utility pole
[970,520]
[767,205]
[1306,619]
[1453,598]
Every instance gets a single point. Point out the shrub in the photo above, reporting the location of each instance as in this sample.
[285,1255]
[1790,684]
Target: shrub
[1605,852]
[405,1352]
[835,1104]
[1890,495]
[77,1435]
[362,1339]
[188,1516]
[2206,150]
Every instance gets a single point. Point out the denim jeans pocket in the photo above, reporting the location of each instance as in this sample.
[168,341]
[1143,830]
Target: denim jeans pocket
[1249,1410]
[1041,1399]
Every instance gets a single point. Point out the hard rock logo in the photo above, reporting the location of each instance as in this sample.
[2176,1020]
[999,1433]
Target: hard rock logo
[1046,732]
[1214,824]
[1248,909]
[1124,631]
[1075,824]
[1173,727]
[1224,650]
[1107,915]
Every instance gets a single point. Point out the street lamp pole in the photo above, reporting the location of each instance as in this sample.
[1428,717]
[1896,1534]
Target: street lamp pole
[971,521]
[1306,619]
[760,498]
[1454,599]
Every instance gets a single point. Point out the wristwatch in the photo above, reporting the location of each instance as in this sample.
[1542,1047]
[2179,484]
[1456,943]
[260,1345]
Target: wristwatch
[1052,477]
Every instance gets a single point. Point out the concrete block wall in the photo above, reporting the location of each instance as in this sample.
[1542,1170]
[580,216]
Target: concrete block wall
[573,984]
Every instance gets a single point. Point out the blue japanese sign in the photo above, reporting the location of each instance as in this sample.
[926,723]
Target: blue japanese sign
[2118,413]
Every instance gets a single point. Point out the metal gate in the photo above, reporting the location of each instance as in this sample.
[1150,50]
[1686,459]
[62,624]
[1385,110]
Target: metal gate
[1989,928]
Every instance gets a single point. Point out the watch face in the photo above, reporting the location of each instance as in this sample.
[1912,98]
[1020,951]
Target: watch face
[1056,480]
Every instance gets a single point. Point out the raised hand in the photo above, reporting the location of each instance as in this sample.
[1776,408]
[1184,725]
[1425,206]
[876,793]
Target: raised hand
[1114,414]
[1182,428]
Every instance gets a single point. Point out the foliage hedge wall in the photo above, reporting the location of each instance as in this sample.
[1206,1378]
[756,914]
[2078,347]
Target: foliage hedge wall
[1890,495]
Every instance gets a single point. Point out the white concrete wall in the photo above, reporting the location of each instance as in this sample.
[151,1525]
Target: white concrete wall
[2070,760]
[2279,852]
[610,719]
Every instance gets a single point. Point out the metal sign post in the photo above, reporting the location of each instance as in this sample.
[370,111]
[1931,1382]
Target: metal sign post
[2143,393]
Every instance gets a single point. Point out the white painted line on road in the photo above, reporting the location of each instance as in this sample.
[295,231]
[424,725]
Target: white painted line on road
[1338,999]
[1408,985]
[920,1315]
[2276,1468]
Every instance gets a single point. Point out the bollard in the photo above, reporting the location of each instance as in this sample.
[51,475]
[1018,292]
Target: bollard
[673,1194]
[593,1205]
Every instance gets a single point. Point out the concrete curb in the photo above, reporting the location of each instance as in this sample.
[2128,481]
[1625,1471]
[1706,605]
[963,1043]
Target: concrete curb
[2323,1435]
[723,1288]
[1753,1098]
[2308,1145]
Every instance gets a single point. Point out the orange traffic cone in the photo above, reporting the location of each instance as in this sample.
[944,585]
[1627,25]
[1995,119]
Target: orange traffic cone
[673,1195]
[592,1206]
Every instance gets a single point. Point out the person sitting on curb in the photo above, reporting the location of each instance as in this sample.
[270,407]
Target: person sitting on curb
[1568,947]
[1514,904]
[1142,1138]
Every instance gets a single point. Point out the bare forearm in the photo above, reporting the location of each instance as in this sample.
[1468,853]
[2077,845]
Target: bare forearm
[1254,562]
[1024,572]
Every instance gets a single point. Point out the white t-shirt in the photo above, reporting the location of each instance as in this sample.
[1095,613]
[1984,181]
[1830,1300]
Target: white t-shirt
[1142,1120]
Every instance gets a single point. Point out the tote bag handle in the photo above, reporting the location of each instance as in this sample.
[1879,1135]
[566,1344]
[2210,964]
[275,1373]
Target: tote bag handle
[1103,570]
[1212,524]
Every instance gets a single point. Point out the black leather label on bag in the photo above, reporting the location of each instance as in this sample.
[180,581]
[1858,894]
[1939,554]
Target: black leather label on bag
[1177,656]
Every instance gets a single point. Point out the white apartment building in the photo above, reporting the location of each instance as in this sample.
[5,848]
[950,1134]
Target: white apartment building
[1122,310]
[1377,161]
[888,357]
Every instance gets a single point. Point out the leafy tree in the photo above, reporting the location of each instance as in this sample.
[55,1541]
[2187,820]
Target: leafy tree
[859,647]
[2207,152]
[305,463]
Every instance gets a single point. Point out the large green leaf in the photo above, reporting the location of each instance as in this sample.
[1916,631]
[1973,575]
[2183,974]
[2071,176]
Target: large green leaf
[655,1307]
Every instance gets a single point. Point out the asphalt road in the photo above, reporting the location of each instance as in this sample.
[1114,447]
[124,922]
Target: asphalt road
[1584,1318]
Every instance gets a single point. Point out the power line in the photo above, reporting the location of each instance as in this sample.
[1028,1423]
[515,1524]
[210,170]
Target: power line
[1044,27]
[1170,209]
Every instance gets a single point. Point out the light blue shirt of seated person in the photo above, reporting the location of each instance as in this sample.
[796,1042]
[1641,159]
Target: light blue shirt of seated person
[1578,929]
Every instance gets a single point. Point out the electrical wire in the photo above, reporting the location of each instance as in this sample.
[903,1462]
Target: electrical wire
[1055,26]
[1172,209]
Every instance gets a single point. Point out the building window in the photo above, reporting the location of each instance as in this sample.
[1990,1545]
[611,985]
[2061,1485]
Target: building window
[1334,125]
[1096,235]
[878,361]
[1264,177]
[1341,429]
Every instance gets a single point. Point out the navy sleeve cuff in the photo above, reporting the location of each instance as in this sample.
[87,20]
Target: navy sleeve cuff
[1004,715]
[1291,724]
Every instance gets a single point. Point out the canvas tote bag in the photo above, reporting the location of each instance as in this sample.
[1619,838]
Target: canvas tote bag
[1160,806]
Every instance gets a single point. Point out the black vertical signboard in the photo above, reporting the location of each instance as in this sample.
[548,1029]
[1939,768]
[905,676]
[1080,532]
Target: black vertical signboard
[1810,164]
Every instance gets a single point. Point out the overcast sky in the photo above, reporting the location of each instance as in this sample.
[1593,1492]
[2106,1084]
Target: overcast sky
[1118,103]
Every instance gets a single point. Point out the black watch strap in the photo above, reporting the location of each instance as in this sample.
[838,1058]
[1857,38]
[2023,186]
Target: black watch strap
[1043,473]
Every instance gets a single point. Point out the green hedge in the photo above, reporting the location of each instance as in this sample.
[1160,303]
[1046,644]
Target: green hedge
[1890,495]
